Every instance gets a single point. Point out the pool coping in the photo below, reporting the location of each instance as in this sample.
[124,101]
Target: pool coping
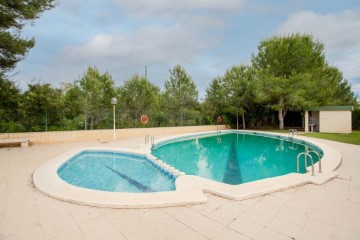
[189,189]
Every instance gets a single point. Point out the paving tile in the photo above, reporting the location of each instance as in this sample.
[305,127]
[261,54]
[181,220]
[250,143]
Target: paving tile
[100,228]
[226,213]
[328,213]
[14,222]
[304,199]
[125,221]
[189,234]
[169,228]
[148,234]
[172,210]
[278,199]
[86,214]
[73,208]
[354,192]
[152,215]
[315,229]
[250,202]
[54,218]
[352,215]
[270,234]
[246,227]
[285,228]
[72,233]
[213,203]
[260,213]
[228,234]
[333,198]
[349,235]
[338,185]
[200,223]
[289,220]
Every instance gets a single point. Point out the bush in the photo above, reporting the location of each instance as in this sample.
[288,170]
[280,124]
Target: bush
[356,119]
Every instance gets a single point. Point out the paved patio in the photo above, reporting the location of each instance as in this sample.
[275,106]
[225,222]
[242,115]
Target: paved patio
[329,211]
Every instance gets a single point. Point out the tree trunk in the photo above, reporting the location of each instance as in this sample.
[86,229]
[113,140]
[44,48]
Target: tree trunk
[281,120]
[92,122]
[243,120]
[282,113]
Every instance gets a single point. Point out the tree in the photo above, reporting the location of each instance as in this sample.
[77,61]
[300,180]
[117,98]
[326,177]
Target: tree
[180,93]
[97,91]
[335,89]
[10,99]
[139,96]
[215,99]
[41,107]
[239,89]
[288,68]
[13,17]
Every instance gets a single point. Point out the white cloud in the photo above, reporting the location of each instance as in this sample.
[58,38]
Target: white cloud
[339,32]
[126,54]
[155,44]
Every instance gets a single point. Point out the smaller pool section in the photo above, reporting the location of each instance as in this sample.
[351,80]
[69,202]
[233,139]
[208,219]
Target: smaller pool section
[115,172]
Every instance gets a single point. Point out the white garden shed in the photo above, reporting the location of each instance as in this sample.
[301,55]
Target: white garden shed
[329,119]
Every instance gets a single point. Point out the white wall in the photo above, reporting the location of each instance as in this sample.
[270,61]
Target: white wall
[106,134]
[335,121]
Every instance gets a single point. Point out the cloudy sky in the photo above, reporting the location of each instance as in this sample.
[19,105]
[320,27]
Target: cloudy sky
[206,37]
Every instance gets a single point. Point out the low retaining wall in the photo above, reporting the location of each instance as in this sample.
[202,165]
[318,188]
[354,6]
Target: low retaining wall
[106,134]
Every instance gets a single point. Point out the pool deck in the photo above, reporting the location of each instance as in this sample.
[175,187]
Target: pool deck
[328,211]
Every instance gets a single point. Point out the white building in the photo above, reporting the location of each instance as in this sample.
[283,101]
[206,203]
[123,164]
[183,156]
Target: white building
[329,119]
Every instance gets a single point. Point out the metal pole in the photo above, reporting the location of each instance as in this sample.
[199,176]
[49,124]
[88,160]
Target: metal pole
[114,123]
[86,97]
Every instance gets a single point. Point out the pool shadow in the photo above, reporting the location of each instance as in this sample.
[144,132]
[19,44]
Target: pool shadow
[232,173]
[133,182]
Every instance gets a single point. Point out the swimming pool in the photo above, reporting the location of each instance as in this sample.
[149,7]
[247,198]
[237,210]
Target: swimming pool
[189,189]
[115,172]
[234,158]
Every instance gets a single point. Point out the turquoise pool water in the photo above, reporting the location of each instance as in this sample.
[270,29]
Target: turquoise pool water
[234,158]
[115,172]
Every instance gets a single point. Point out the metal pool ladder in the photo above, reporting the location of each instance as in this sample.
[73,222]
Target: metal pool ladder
[292,132]
[151,138]
[307,154]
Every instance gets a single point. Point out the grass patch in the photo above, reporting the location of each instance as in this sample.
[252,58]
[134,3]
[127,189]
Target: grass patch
[352,138]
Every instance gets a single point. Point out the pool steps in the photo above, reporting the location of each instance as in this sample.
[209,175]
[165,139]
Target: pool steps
[165,167]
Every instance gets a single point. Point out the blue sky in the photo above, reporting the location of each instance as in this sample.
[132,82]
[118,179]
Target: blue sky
[206,37]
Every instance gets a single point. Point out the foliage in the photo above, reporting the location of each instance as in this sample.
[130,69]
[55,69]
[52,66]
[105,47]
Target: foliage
[287,75]
[97,90]
[231,95]
[356,119]
[239,87]
[10,98]
[13,16]
[180,95]
[41,107]
[138,96]
[215,99]
[293,74]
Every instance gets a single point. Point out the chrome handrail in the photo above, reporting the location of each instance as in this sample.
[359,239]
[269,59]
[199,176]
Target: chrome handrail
[319,159]
[312,162]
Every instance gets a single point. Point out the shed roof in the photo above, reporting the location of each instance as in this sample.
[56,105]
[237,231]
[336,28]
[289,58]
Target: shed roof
[331,108]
